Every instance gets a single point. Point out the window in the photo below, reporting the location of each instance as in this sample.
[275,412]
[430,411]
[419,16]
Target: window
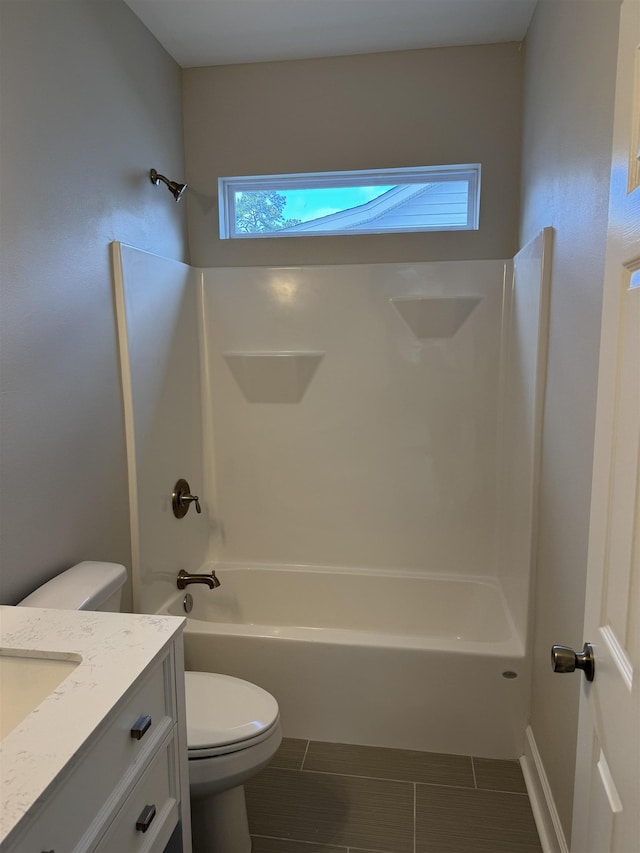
[377,201]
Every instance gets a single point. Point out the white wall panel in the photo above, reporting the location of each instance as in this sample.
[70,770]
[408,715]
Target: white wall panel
[388,459]
[158,307]
[525,330]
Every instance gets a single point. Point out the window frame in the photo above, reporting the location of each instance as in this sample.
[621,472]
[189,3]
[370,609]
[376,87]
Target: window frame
[229,186]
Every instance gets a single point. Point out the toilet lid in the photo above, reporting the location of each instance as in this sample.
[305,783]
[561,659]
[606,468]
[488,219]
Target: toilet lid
[223,710]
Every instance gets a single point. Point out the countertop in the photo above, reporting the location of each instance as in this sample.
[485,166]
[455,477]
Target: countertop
[114,648]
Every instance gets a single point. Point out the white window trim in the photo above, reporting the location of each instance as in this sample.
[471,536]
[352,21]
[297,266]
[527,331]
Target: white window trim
[228,187]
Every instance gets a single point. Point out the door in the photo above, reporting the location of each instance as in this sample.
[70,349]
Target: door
[607,793]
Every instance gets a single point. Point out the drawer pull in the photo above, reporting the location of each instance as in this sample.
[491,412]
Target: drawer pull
[140,726]
[146,816]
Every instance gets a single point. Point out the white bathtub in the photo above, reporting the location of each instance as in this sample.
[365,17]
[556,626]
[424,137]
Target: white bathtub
[399,660]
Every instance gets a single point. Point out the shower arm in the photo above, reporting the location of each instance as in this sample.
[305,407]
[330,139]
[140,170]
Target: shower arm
[174,187]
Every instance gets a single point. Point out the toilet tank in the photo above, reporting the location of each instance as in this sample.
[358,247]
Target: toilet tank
[86,586]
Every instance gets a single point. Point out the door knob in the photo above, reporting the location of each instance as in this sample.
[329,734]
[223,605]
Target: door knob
[564,659]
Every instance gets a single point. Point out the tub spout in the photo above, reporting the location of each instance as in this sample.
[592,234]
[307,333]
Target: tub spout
[185,578]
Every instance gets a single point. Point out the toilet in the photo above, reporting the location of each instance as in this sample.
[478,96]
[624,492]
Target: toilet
[233,726]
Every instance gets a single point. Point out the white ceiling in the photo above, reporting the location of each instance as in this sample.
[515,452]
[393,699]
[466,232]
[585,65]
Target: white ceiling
[220,32]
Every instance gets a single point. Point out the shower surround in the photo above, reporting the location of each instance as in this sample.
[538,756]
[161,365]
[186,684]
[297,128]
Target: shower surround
[367,425]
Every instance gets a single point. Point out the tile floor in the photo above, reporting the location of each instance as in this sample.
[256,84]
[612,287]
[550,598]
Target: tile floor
[338,798]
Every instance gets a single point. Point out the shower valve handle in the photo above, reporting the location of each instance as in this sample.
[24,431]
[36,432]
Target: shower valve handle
[182,498]
[187,499]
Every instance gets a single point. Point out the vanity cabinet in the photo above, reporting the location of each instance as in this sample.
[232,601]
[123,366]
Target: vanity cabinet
[126,788]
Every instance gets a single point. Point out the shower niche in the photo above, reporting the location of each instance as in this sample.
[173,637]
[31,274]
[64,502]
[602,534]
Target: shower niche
[273,377]
[435,317]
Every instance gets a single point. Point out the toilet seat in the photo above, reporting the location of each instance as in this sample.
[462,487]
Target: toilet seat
[226,714]
[212,751]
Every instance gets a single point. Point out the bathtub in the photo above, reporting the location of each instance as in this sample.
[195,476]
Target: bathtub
[387,659]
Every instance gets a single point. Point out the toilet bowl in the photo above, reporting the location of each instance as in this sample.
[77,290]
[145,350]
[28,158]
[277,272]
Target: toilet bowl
[233,726]
[233,731]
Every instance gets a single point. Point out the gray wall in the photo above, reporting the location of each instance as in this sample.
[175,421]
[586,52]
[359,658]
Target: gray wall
[90,101]
[409,108]
[570,61]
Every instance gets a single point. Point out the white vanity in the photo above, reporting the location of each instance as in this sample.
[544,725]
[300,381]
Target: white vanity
[93,755]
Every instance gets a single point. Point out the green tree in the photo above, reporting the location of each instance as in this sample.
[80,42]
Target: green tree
[260,212]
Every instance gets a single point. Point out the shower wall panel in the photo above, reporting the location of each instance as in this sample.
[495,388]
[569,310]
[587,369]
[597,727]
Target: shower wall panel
[355,411]
[158,302]
[526,321]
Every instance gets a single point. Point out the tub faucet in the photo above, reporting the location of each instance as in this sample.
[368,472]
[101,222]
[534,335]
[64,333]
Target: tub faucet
[185,578]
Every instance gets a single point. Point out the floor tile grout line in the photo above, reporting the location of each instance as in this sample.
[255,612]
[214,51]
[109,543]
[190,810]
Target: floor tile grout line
[503,791]
[403,781]
[384,779]
[304,757]
[369,850]
[473,770]
[338,847]
[415,817]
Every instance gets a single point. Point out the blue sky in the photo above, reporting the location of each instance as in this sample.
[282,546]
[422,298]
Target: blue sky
[306,204]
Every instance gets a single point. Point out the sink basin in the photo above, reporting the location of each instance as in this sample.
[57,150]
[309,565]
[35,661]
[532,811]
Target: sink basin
[25,681]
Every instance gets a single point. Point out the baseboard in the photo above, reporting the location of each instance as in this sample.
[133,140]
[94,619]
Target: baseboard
[542,803]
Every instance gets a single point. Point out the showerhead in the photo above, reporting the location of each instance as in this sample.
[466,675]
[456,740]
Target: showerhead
[174,187]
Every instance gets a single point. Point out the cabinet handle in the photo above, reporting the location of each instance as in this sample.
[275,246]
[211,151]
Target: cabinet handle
[146,816]
[140,726]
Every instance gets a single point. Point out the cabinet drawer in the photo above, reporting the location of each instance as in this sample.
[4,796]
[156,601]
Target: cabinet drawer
[155,796]
[102,774]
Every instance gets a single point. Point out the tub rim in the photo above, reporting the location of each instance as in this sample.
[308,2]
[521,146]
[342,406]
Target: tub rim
[511,647]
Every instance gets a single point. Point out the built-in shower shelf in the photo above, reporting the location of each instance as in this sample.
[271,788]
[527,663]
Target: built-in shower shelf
[273,377]
[435,317]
